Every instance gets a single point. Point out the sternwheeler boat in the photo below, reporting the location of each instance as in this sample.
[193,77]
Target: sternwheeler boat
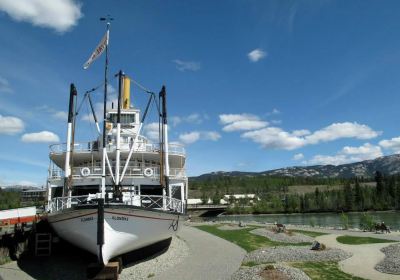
[121,191]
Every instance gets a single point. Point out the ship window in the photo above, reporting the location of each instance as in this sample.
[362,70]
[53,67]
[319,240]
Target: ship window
[127,118]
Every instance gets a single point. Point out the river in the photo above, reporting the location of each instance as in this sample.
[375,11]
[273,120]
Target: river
[391,219]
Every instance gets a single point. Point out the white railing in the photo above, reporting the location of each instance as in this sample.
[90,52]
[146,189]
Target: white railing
[174,149]
[57,173]
[145,201]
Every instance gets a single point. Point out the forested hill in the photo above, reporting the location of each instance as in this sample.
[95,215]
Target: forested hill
[389,165]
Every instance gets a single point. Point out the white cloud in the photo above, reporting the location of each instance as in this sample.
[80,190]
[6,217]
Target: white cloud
[60,15]
[194,118]
[194,136]
[151,131]
[256,55]
[301,132]
[392,144]
[40,137]
[245,125]
[211,135]
[61,115]
[327,160]
[230,118]
[342,130]
[11,125]
[277,138]
[186,65]
[348,154]
[5,86]
[299,156]
[236,122]
[190,137]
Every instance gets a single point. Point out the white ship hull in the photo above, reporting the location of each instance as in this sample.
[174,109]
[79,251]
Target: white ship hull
[125,229]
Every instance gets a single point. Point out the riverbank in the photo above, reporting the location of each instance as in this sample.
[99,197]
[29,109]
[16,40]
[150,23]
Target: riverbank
[331,220]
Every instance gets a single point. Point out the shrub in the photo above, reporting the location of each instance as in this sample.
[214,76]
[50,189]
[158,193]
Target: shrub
[367,222]
[345,220]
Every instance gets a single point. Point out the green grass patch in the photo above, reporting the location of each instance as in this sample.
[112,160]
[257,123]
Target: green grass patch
[309,233]
[250,263]
[245,239]
[324,271]
[357,240]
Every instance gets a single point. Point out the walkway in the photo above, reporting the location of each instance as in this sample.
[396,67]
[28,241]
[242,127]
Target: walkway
[210,257]
[364,258]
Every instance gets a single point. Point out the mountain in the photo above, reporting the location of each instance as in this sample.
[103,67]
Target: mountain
[387,165]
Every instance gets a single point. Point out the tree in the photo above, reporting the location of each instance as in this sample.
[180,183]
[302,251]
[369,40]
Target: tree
[379,182]
[348,197]
[358,196]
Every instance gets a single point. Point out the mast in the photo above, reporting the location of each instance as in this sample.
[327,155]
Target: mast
[103,175]
[164,143]
[118,152]
[67,168]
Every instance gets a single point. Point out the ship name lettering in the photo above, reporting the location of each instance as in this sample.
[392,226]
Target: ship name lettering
[119,218]
[87,219]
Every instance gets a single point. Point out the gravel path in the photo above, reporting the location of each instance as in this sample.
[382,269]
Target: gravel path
[364,258]
[210,257]
[283,237]
[294,254]
[176,253]
[253,273]
[391,263]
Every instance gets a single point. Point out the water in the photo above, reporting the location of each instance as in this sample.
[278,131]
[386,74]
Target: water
[391,219]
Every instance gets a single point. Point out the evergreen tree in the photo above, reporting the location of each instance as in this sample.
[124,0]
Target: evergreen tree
[348,197]
[379,182]
[358,196]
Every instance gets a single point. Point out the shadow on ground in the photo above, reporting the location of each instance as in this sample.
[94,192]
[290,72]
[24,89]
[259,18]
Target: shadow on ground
[69,262]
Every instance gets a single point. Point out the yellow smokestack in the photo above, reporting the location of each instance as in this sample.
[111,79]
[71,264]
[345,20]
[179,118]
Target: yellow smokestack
[126,98]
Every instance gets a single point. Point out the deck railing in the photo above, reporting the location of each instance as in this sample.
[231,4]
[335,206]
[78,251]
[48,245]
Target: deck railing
[174,149]
[57,173]
[145,201]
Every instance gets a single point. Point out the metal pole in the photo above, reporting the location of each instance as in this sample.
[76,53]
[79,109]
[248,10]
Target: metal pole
[67,166]
[118,152]
[103,176]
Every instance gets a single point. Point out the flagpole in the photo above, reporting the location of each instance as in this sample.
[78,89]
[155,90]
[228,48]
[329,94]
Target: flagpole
[103,176]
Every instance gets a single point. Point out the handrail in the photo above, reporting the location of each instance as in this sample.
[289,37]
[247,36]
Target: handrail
[94,146]
[144,201]
[132,171]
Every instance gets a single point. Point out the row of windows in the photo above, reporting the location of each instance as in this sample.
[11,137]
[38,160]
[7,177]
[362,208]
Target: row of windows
[125,118]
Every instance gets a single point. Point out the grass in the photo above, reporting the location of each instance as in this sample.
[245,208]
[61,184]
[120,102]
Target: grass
[324,271]
[356,240]
[243,238]
[309,233]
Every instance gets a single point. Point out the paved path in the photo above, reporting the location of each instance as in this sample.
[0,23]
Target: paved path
[210,257]
[365,258]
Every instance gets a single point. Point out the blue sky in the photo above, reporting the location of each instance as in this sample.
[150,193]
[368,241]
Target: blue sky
[252,85]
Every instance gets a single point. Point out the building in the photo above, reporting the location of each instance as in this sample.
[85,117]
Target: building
[33,197]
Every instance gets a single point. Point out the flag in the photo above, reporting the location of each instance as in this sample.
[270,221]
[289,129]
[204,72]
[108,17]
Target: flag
[98,51]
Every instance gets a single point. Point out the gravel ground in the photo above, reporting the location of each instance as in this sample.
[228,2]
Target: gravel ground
[253,273]
[391,263]
[283,237]
[295,253]
[176,253]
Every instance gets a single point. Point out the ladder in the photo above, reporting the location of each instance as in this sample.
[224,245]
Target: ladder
[43,244]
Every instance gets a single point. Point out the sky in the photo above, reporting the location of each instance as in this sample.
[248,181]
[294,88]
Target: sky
[251,85]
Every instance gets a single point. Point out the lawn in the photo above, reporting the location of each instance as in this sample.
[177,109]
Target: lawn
[324,271]
[309,233]
[357,240]
[243,238]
